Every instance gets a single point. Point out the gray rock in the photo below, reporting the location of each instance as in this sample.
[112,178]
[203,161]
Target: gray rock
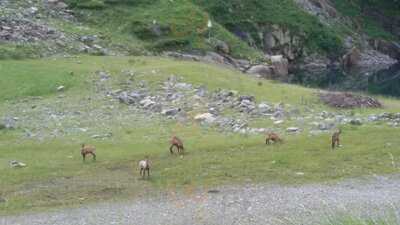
[61,88]
[102,136]
[292,129]
[222,47]
[264,71]
[280,66]
[171,112]
[356,122]
[147,103]
[183,86]
[246,97]
[205,117]
[264,108]
[10,122]
[16,164]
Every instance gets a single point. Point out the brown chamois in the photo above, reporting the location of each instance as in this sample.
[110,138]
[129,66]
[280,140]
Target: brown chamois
[177,143]
[144,165]
[271,136]
[86,150]
[336,139]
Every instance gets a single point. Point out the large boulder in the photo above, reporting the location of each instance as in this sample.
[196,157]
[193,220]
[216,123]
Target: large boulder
[221,47]
[280,65]
[264,71]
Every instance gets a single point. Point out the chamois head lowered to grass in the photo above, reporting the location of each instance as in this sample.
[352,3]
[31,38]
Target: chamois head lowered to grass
[272,137]
[178,144]
[144,165]
[88,150]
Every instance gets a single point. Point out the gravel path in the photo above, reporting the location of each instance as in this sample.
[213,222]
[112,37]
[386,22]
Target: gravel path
[252,204]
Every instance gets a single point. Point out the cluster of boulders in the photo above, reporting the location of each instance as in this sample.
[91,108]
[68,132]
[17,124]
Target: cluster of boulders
[25,31]
[178,100]
[29,22]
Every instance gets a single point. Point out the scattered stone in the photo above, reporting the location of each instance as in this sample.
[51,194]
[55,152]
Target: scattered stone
[265,108]
[214,191]
[147,103]
[292,129]
[101,136]
[103,75]
[10,122]
[356,122]
[171,112]
[16,164]
[205,117]
[61,88]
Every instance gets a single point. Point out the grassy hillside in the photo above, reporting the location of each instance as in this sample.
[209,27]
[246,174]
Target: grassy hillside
[182,24]
[55,175]
[162,25]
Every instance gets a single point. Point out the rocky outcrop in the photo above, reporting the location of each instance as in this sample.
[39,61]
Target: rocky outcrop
[390,48]
[322,9]
[279,40]
[280,65]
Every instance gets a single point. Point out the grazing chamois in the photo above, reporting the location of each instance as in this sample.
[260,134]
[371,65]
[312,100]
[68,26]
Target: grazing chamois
[336,139]
[177,143]
[86,150]
[271,136]
[144,165]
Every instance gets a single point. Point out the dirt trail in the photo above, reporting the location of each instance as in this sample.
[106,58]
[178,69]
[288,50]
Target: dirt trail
[252,204]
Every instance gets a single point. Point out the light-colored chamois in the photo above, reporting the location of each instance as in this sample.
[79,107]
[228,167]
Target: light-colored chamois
[144,165]
[336,139]
[177,143]
[271,136]
[88,150]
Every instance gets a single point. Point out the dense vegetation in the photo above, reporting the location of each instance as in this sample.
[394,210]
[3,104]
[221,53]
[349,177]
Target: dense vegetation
[360,12]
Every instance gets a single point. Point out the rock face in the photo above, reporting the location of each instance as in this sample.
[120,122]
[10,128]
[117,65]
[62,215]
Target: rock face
[320,8]
[351,58]
[280,65]
[279,40]
[387,47]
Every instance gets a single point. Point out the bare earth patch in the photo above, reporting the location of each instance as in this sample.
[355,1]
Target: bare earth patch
[348,100]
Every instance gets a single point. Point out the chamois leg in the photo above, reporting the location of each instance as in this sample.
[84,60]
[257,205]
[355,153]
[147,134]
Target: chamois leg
[148,172]
[94,156]
[84,157]
[171,149]
[333,144]
[181,150]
